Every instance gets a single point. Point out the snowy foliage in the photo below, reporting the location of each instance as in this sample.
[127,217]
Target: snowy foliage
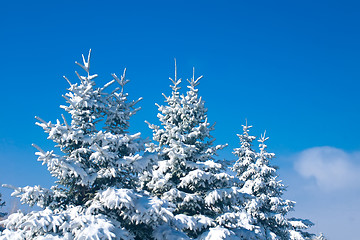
[114,185]
[267,208]
[95,194]
[73,223]
[187,174]
[2,203]
[219,233]
[2,214]
[320,237]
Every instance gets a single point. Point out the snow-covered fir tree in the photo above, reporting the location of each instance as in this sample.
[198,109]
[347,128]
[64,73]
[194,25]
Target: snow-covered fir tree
[267,208]
[187,174]
[97,165]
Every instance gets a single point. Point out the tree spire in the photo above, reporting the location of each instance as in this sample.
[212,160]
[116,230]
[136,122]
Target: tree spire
[175,87]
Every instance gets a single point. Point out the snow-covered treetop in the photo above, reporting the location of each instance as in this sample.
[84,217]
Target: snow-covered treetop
[90,105]
[246,155]
[246,139]
[185,132]
[175,87]
[264,156]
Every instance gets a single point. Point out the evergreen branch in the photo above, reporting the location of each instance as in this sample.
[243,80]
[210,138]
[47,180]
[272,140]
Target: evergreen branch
[88,62]
[38,148]
[9,186]
[107,85]
[68,80]
[192,81]
[67,125]
[86,65]
[80,77]
[175,81]
[114,91]
[122,81]
[69,101]
[41,120]
[135,102]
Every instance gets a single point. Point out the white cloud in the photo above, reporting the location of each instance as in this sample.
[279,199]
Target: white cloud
[331,168]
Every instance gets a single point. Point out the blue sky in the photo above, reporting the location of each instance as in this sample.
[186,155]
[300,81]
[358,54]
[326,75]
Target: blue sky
[289,67]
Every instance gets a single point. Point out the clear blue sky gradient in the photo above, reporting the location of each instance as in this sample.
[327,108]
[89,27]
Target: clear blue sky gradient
[290,67]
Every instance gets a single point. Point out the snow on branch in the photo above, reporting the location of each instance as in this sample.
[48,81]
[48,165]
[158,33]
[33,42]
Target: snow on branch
[175,81]
[194,83]
[86,64]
